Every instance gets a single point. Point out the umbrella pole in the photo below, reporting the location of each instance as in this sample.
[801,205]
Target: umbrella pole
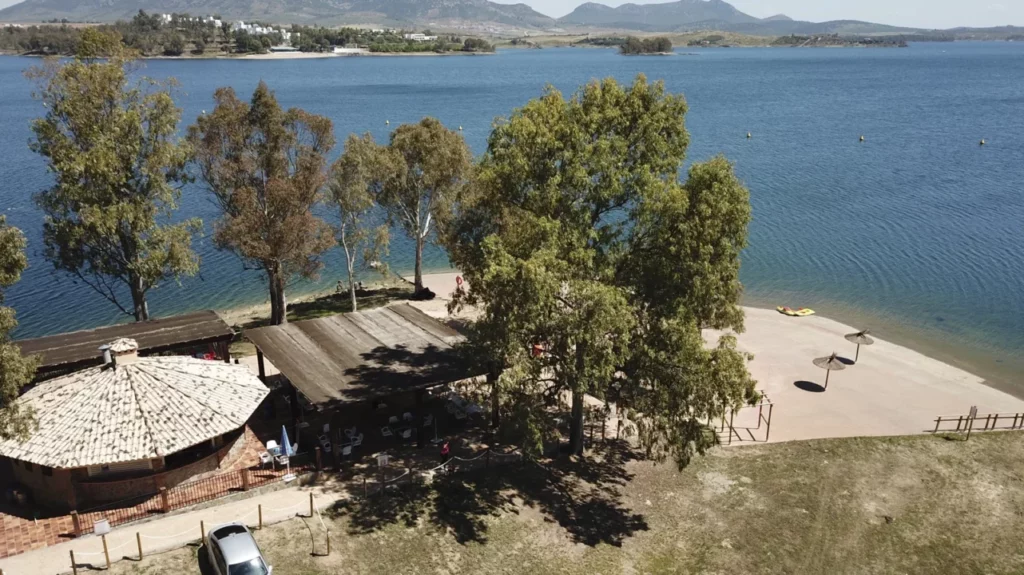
[857,357]
[827,372]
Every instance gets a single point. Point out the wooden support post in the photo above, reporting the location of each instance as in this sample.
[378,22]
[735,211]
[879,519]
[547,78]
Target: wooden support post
[328,543]
[319,462]
[959,421]
[260,365]
[260,509]
[311,505]
[138,539]
[364,487]
[202,530]
[76,523]
[165,500]
[74,566]
[731,416]
[769,425]
[970,426]
[618,428]
[938,420]
[604,424]
[106,551]
[245,480]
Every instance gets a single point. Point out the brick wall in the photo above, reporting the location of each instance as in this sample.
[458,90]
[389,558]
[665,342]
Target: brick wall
[53,491]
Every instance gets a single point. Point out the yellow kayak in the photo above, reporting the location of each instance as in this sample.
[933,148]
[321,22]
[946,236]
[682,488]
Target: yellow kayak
[800,312]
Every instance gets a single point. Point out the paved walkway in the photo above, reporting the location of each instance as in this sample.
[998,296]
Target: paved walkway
[169,532]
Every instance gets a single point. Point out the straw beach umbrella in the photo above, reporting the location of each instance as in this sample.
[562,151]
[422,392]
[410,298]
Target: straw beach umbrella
[860,338]
[828,364]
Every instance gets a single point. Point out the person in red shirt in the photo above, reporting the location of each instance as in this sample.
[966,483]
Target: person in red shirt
[445,452]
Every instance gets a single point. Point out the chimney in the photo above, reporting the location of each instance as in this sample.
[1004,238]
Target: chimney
[122,351]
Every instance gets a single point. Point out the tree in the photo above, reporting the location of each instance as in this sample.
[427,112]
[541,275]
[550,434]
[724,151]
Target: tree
[200,47]
[416,178]
[265,167]
[15,371]
[576,236]
[118,165]
[350,191]
[175,45]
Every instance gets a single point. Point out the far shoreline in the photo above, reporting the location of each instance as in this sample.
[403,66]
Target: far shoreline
[271,56]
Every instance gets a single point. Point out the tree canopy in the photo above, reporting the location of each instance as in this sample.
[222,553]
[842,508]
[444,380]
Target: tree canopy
[578,237]
[113,149]
[15,371]
[416,178]
[363,239]
[634,45]
[265,167]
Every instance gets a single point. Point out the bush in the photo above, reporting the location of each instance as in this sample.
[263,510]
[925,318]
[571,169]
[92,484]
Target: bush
[174,46]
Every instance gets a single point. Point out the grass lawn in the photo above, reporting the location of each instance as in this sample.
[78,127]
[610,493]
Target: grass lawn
[919,504]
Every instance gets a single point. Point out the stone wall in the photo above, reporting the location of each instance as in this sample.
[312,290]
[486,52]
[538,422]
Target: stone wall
[55,491]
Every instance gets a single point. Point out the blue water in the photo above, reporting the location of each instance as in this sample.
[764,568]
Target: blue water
[918,232]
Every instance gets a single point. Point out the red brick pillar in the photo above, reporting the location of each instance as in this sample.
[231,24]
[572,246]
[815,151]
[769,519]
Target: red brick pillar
[165,500]
[245,480]
[76,524]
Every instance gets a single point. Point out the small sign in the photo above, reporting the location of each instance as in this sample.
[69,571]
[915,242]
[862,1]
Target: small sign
[101,527]
[974,412]
[382,460]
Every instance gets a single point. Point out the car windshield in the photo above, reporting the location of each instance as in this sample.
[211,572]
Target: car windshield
[254,566]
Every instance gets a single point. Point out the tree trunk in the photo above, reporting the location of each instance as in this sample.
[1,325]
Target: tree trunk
[141,308]
[576,425]
[492,379]
[352,285]
[278,305]
[419,265]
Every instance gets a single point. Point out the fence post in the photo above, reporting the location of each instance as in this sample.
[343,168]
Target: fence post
[970,426]
[76,523]
[260,508]
[604,424]
[959,421]
[328,543]
[106,552]
[202,530]
[74,566]
[165,500]
[768,424]
[138,539]
[245,480]
[311,504]
[618,428]
[938,420]
[364,487]
[319,463]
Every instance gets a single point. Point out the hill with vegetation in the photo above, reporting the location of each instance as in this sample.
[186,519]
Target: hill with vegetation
[381,12]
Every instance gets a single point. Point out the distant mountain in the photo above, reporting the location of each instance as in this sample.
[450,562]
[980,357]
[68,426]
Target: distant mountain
[778,18]
[666,16]
[329,12]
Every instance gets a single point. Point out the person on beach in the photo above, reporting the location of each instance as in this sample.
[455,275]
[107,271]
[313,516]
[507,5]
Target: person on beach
[445,453]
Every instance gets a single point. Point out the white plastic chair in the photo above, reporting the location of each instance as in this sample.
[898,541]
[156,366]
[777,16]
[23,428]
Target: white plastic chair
[407,416]
[393,420]
[266,459]
[327,429]
[350,432]
[428,420]
[346,450]
[386,431]
[325,443]
[406,433]
[357,440]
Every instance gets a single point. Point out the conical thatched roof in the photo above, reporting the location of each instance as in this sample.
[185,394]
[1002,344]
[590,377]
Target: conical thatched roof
[831,362]
[860,338]
[140,408]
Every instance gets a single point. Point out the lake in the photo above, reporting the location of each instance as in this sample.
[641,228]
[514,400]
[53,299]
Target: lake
[917,233]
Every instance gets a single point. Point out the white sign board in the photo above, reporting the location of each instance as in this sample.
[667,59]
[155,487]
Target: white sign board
[974,412]
[101,527]
[382,460]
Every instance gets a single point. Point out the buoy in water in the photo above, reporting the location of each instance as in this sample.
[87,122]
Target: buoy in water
[460,128]
[982,143]
[749,135]
[862,138]
[387,122]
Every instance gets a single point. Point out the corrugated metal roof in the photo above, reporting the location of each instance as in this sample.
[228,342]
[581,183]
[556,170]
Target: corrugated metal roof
[363,355]
[82,347]
[146,408]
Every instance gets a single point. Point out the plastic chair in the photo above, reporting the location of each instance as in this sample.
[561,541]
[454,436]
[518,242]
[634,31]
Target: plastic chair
[428,420]
[386,431]
[265,459]
[393,420]
[327,429]
[350,432]
[407,416]
[406,433]
[346,450]
[325,443]
[357,440]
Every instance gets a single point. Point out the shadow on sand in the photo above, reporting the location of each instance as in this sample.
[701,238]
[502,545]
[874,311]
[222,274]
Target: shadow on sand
[809,386]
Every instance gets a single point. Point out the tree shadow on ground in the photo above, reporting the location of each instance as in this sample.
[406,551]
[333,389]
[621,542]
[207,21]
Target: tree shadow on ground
[582,495]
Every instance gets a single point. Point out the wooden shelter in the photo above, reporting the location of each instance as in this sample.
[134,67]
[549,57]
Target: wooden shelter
[361,356]
[182,334]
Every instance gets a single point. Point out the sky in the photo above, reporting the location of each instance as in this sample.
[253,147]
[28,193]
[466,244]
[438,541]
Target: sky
[912,13]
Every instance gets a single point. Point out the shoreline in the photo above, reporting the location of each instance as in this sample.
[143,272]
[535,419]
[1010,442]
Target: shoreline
[912,338]
[273,55]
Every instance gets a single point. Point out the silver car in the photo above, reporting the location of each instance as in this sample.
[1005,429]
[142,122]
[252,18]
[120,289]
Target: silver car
[233,551]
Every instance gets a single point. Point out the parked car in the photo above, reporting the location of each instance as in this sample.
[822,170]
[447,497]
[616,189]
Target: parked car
[232,550]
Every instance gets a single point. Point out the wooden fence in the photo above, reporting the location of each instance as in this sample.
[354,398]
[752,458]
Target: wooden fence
[986,422]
